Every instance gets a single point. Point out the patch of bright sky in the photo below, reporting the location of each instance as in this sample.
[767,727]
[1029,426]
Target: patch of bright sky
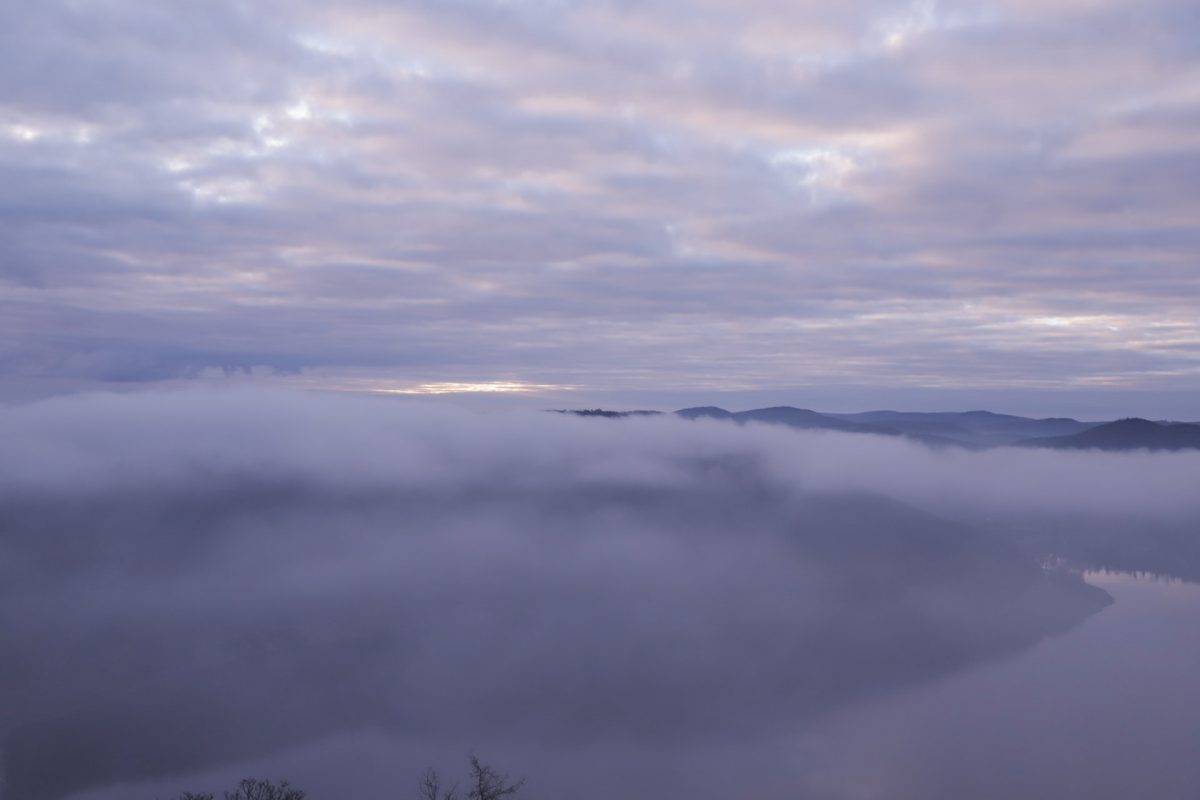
[1109,323]
[27,132]
[921,18]
[395,63]
[299,110]
[274,130]
[327,45]
[824,170]
[265,128]
[222,191]
[22,133]
[486,387]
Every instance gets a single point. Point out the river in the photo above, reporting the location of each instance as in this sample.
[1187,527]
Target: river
[1109,710]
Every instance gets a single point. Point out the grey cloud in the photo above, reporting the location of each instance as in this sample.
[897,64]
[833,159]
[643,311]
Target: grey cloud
[533,171]
[192,579]
[110,59]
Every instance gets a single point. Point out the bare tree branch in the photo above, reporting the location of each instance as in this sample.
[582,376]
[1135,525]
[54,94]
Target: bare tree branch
[431,788]
[488,784]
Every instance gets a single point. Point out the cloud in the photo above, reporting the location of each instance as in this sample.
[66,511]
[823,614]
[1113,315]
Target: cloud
[252,432]
[548,191]
[248,573]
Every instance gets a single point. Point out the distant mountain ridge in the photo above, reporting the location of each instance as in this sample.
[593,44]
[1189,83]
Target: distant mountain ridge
[970,429]
[777,415]
[806,418]
[963,429]
[1132,433]
[977,427]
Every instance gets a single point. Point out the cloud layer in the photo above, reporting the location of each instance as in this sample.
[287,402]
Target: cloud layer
[194,579]
[713,195]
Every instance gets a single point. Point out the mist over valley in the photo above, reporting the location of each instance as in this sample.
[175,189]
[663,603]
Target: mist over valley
[193,581]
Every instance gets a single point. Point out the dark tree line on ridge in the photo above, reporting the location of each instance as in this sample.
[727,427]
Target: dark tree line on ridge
[483,783]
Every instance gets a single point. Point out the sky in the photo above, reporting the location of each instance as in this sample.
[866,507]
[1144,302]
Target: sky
[842,205]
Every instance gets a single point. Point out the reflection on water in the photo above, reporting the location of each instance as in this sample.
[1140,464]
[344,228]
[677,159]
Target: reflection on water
[1110,710]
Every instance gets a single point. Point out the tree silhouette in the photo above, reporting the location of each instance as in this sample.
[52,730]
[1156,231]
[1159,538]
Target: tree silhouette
[485,783]
[431,788]
[252,789]
[488,784]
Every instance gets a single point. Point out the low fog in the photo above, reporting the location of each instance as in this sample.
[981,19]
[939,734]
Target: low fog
[347,589]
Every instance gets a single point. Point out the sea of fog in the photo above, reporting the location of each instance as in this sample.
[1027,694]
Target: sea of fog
[1108,710]
[342,591]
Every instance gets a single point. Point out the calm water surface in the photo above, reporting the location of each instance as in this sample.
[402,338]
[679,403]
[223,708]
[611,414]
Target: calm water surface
[1108,710]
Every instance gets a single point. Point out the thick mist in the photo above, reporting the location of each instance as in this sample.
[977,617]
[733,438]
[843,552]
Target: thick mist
[108,442]
[194,581]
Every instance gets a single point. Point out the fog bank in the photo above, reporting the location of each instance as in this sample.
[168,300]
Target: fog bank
[192,580]
[101,443]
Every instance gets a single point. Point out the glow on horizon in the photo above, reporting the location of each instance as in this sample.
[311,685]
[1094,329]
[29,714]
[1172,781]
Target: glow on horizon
[487,387]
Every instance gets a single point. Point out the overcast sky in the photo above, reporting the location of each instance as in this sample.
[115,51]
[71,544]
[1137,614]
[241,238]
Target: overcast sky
[613,197]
